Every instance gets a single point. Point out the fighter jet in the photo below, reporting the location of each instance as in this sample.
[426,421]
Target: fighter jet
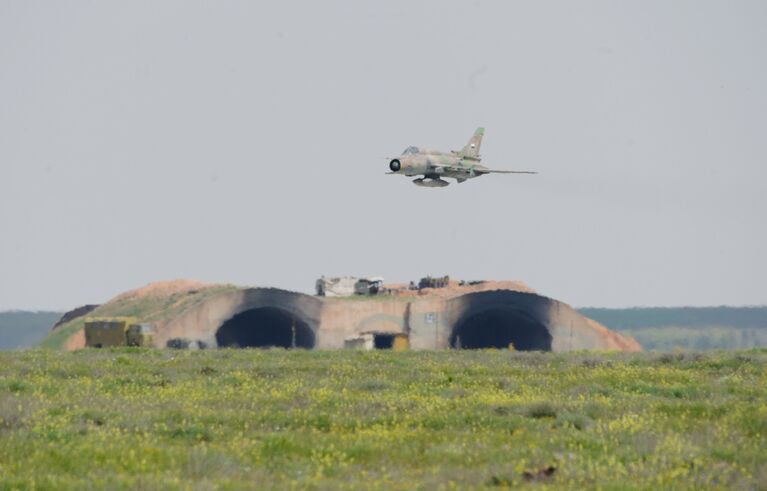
[433,164]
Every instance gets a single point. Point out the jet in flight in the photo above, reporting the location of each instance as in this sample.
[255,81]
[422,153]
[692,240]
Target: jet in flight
[433,164]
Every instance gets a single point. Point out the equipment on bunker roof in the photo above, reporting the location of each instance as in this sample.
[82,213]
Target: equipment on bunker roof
[471,283]
[368,286]
[107,331]
[336,287]
[430,282]
[346,286]
[140,335]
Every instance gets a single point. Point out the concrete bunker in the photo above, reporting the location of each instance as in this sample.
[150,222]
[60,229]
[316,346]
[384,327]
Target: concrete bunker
[498,327]
[474,315]
[265,327]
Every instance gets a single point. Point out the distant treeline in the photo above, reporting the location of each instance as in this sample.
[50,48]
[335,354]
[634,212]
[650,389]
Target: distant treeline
[688,328]
[22,329]
[742,317]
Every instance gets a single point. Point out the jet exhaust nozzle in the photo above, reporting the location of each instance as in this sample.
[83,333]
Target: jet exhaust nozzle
[395,165]
[430,183]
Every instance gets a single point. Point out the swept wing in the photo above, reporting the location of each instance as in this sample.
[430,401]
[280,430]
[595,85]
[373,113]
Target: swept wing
[477,169]
[491,171]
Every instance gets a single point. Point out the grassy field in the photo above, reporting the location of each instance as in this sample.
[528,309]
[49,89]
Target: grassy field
[159,419]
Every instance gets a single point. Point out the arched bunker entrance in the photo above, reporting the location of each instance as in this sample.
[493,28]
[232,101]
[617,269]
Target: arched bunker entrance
[265,327]
[497,328]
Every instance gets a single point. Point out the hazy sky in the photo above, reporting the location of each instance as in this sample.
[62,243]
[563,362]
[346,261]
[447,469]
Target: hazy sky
[245,142]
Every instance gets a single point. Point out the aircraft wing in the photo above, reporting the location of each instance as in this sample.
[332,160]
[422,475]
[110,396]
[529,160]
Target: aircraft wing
[479,170]
[490,171]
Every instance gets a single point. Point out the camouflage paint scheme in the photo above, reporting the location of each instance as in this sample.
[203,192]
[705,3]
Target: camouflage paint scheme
[433,164]
[102,332]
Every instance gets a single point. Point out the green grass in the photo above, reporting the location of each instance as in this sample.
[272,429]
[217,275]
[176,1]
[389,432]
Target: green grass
[227,419]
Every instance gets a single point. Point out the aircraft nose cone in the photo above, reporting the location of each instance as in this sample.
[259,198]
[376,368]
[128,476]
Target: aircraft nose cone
[395,165]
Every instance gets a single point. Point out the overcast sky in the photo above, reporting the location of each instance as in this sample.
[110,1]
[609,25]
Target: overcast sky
[245,142]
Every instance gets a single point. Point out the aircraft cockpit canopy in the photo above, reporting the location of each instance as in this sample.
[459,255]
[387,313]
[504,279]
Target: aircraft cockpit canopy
[410,151]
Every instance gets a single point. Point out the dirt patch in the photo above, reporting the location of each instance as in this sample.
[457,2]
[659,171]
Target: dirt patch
[161,289]
[75,341]
[613,339]
[454,288]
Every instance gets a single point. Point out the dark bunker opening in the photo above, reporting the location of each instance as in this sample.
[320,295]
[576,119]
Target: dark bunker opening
[263,328]
[383,341]
[499,327]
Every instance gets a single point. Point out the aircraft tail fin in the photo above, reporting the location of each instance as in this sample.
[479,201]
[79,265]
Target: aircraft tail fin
[471,150]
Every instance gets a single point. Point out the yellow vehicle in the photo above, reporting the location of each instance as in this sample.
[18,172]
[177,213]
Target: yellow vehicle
[139,335]
[101,332]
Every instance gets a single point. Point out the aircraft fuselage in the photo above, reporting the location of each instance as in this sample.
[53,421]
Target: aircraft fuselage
[435,165]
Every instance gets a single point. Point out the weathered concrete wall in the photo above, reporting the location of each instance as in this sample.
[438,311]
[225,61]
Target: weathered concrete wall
[344,318]
[431,322]
[203,320]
